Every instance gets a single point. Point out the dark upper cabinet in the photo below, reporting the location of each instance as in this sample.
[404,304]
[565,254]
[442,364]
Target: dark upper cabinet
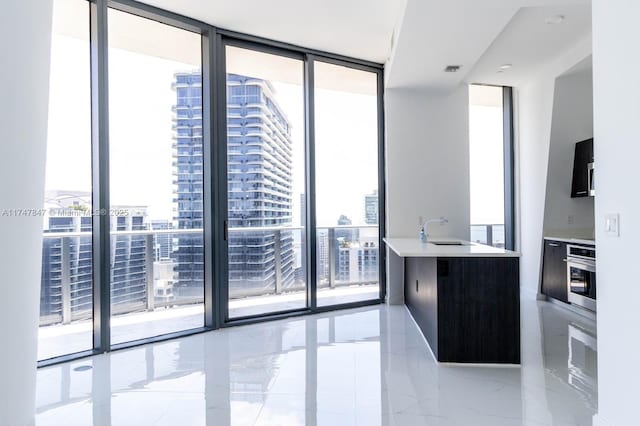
[554,270]
[582,182]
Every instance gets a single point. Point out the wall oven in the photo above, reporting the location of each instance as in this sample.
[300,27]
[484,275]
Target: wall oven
[581,276]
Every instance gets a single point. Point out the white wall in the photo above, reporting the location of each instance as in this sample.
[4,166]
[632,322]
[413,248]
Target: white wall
[572,121]
[25,31]
[534,106]
[535,102]
[427,161]
[616,67]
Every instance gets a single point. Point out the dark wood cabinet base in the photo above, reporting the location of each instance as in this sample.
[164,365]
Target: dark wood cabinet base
[468,308]
[554,270]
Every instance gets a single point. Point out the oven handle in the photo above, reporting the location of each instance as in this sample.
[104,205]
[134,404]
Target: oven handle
[581,264]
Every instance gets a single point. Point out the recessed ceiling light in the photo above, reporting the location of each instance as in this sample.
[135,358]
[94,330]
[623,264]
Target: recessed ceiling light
[505,66]
[452,68]
[553,20]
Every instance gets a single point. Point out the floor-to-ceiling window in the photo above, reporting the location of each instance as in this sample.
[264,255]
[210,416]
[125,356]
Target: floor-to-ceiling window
[197,178]
[66,294]
[490,149]
[346,184]
[265,182]
[156,180]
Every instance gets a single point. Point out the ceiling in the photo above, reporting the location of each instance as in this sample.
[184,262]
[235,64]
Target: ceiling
[527,43]
[481,35]
[358,28]
[415,38]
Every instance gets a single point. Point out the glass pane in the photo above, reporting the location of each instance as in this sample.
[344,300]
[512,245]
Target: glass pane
[155,116]
[346,125]
[486,163]
[266,181]
[66,303]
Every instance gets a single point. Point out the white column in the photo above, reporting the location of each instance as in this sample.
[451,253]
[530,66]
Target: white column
[25,35]
[616,108]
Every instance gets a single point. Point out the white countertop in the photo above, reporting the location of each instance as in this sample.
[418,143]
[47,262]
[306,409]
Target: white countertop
[572,240]
[412,247]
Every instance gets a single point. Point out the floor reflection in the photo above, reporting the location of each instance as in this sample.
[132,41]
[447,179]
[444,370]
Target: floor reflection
[368,366]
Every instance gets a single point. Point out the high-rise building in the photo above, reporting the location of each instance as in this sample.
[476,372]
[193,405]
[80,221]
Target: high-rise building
[300,245]
[260,192]
[66,278]
[162,243]
[128,260]
[346,240]
[188,252]
[347,235]
[357,263]
[356,253]
[344,220]
[368,260]
[371,208]
[322,267]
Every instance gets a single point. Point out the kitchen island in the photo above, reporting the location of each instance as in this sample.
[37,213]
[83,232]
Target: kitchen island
[465,297]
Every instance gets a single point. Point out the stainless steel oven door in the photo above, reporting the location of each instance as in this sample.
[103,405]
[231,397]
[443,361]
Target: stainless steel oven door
[581,282]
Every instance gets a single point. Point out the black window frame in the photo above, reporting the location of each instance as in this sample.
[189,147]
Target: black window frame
[508,157]
[214,40]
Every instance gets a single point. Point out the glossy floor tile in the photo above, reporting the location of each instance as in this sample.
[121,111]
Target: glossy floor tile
[368,366]
[62,339]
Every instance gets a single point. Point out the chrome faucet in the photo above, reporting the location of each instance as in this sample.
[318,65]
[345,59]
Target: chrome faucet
[441,220]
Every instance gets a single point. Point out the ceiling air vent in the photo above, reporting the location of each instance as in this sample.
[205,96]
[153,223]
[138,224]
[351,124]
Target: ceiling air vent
[452,68]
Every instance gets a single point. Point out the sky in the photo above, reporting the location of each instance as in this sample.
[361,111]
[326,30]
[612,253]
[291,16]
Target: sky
[140,133]
[486,165]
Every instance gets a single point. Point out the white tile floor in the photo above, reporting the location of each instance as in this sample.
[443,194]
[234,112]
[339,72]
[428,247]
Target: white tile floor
[368,366]
[62,339]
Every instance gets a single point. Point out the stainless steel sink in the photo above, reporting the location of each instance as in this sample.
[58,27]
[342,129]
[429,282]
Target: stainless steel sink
[447,243]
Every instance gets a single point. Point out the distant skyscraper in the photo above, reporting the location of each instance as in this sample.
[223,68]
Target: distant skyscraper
[260,160]
[66,279]
[301,268]
[188,252]
[371,208]
[344,220]
[66,262]
[323,255]
[356,253]
[162,243]
[259,170]
[346,235]
[128,261]
[303,209]
[368,262]
[357,264]
[345,238]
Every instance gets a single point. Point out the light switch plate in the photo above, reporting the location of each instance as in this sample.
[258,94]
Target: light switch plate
[612,224]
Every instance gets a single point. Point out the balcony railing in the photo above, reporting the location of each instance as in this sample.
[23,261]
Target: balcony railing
[490,234]
[146,265]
